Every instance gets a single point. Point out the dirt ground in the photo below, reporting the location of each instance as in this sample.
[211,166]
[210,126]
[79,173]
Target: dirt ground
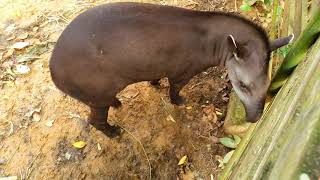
[39,124]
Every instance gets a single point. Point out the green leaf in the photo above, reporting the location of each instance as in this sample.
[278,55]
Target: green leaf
[245,7]
[228,142]
[237,140]
[267,2]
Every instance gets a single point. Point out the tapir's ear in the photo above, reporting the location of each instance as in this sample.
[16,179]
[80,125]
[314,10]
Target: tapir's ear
[232,43]
[275,44]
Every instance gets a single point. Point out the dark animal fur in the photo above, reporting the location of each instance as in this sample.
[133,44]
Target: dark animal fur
[111,46]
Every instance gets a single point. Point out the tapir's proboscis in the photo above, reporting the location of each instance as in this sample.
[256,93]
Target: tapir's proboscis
[110,46]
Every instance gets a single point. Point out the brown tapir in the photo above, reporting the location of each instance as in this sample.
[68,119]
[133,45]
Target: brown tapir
[111,46]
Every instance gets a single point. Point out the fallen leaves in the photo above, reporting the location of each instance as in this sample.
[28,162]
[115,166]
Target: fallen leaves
[68,155]
[23,36]
[20,45]
[79,144]
[230,142]
[8,54]
[22,69]
[131,93]
[11,38]
[99,147]
[23,45]
[223,161]
[2,161]
[9,178]
[30,113]
[170,118]
[6,128]
[210,113]
[36,117]
[49,123]
[183,160]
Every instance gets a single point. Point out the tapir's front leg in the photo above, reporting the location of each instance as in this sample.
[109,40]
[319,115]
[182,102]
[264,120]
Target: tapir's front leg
[98,119]
[175,88]
[155,83]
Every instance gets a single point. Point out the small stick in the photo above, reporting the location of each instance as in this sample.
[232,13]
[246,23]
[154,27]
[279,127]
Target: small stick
[144,151]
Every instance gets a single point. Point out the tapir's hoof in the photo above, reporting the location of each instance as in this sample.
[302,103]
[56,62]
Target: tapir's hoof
[112,131]
[107,129]
[117,103]
[178,101]
[155,83]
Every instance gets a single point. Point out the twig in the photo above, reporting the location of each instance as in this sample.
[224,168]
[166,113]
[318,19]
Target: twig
[235,5]
[29,169]
[144,151]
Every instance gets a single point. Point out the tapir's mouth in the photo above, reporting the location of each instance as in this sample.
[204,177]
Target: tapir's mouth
[254,113]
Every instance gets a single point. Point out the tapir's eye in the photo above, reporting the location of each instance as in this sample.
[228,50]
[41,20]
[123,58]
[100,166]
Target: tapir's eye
[242,85]
[244,88]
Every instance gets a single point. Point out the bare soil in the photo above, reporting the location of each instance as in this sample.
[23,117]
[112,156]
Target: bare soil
[39,124]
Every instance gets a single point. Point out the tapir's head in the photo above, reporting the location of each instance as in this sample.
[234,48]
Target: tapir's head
[248,71]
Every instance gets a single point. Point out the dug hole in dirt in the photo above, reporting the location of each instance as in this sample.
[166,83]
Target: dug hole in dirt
[39,124]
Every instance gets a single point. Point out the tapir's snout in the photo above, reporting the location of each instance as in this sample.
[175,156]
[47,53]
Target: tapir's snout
[254,112]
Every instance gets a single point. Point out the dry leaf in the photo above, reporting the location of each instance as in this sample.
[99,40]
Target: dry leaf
[8,54]
[183,160]
[44,24]
[219,113]
[189,107]
[131,93]
[1,55]
[36,117]
[20,45]
[10,28]
[2,161]
[30,113]
[11,38]
[18,13]
[79,144]
[227,157]
[209,110]
[22,69]
[23,36]
[49,123]
[170,118]
[99,147]
[9,178]
[68,155]
[35,29]
[26,58]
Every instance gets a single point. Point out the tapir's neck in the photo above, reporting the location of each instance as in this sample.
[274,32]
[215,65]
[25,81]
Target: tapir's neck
[218,27]
[220,51]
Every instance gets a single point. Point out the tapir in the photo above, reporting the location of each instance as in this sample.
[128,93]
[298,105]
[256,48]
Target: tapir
[110,46]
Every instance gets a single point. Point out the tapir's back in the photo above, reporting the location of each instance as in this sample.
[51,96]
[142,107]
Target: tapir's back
[110,46]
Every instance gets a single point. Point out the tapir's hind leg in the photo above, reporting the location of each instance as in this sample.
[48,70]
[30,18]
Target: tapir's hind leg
[175,88]
[98,119]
